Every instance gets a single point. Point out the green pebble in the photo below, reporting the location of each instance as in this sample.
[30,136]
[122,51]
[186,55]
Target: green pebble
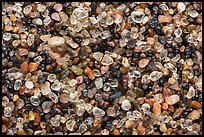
[76,69]
[37,21]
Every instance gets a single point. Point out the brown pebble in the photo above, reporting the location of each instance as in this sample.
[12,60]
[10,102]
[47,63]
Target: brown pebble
[143,63]
[156,109]
[89,73]
[24,67]
[194,115]
[33,66]
[22,51]
[177,114]
[195,104]
[182,48]
[164,18]
[37,118]
[141,130]
[4,128]
[21,132]
[150,41]
[5,120]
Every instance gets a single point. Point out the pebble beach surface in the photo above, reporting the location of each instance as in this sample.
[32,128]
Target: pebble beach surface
[102,68]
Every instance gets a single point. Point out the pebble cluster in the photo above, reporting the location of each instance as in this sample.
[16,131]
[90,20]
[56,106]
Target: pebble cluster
[102,68]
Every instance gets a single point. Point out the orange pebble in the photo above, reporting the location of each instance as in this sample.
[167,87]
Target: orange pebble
[182,48]
[33,66]
[96,123]
[116,132]
[89,73]
[13,17]
[150,41]
[24,67]
[169,131]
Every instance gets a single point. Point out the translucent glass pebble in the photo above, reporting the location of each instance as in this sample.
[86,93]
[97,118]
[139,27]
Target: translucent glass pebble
[98,83]
[17,84]
[34,100]
[155,75]
[45,88]
[126,105]
[46,106]
[137,16]
[7,112]
[70,124]
[56,85]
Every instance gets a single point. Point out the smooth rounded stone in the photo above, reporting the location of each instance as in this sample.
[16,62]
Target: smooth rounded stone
[72,82]
[105,132]
[195,104]
[111,112]
[125,62]
[98,56]
[83,128]
[7,36]
[17,84]
[129,123]
[88,120]
[7,112]
[70,124]
[164,18]
[31,116]
[194,115]
[163,128]
[145,108]
[173,99]
[34,100]
[190,93]
[171,81]
[53,97]
[45,88]
[56,85]
[47,20]
[156,109]
[106,87]
[77,70]
[155,75]
[29,84]
[33,66]
[57,7]
[136,114]
[178,32]
[107,60]
[27,9]
[181,7]
[47,106]
[193,13]
[98,83]
[79,13]
[63,16]
[56,41]
[73,97]
[145,79]
[178,113]
[37,21]
[143,63]
[55,16]
[164,7]
[98,111]
[64,98]
[54,122]
[19,103]
[41,7]
[137,16]
[37,118]
[126,105]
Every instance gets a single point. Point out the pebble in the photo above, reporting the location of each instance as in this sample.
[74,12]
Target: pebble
[137,16]
[55,16]
[89,73]
[194,115]
[98,56]
[190,93]
[173,99]
[171,81]
[45,88]
[143,63]
[70,125]
[47,106]
[150,40]
[155,75]
[57,7]
[33,66]
[37,21]
[21,132]
[164,18]
[29,84]
[195,104]
[178,113]
[125,62]
[24,67]
[107,60]
[163,128]
[126,105]
[76,69]
[181,7]
[98,83]
[156,109]
[56,41]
